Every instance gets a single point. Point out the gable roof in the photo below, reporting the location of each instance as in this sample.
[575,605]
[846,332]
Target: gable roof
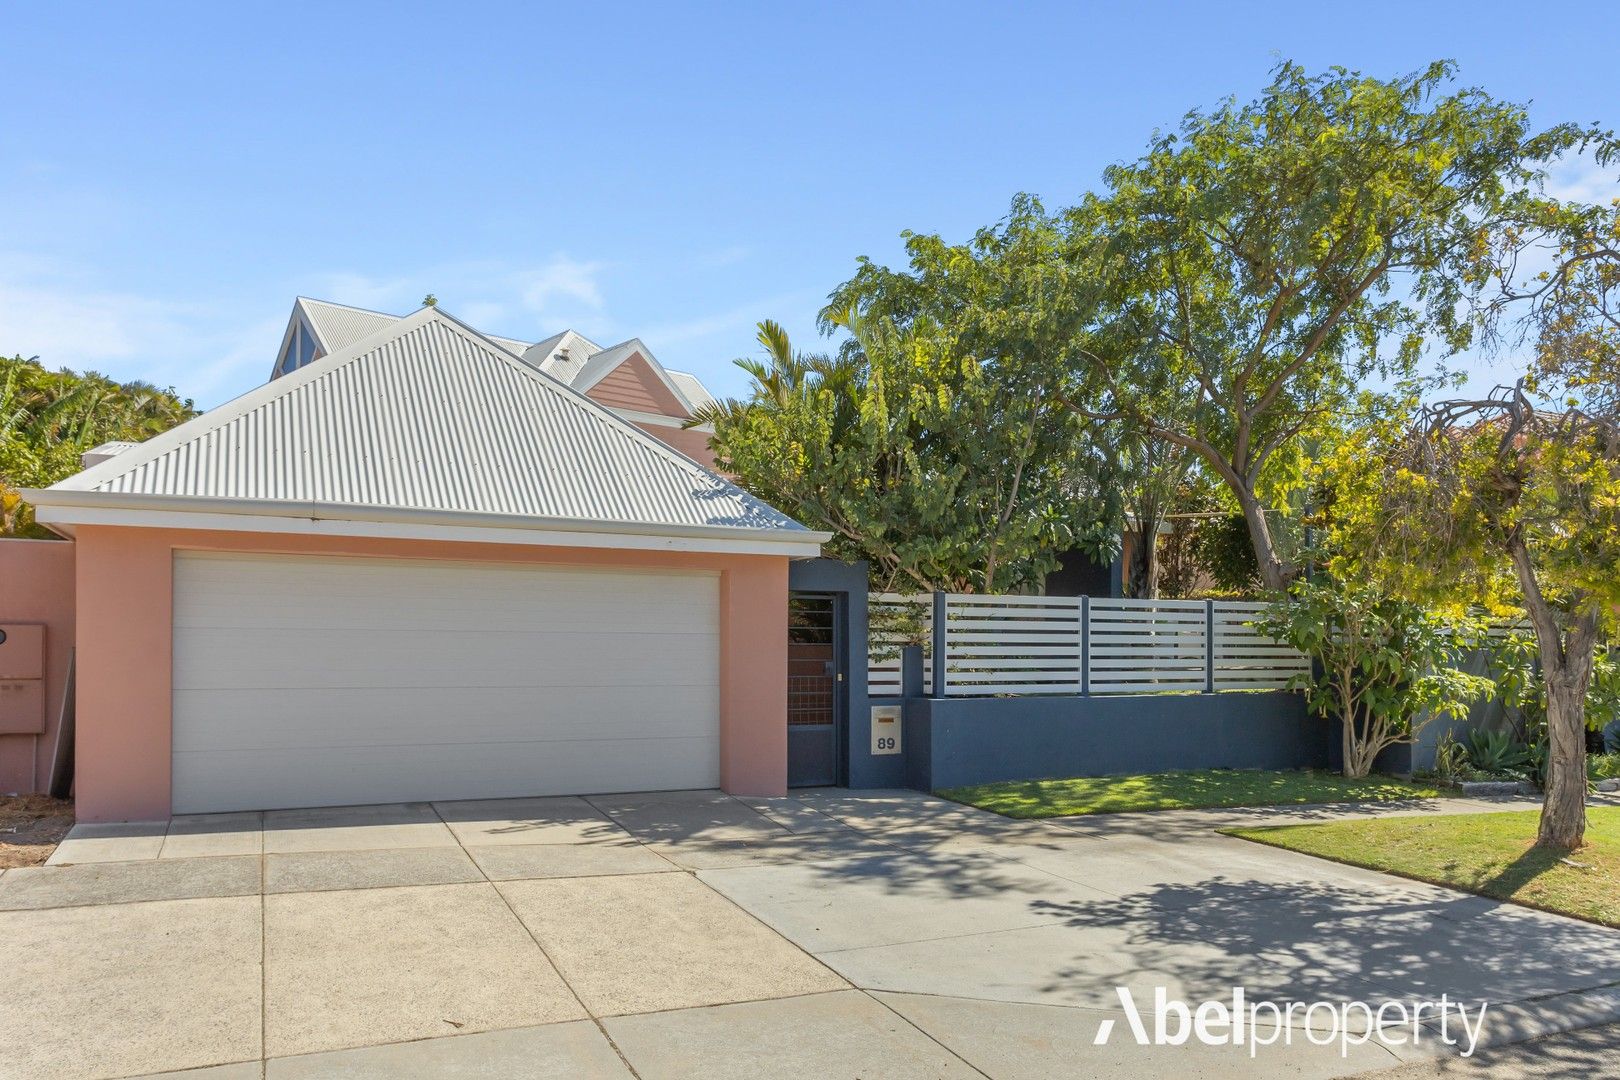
[691,389]
[361,434]
[338,325]
[562,355]
[599,366]
[585,363]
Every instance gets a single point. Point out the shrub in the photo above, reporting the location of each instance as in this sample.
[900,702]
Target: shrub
[1495,751]
[1388,667]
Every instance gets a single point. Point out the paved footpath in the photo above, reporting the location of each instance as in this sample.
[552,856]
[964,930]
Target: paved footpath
[1590,1054]
[692,934]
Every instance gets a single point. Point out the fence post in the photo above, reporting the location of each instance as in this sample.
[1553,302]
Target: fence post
[1085,645]
[911,672]
[1209,646]
[940,656]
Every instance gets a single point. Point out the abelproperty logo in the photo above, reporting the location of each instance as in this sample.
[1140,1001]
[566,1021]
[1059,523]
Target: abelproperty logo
[1241,1022]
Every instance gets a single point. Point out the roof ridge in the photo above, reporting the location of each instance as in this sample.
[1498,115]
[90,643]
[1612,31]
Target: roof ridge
[346,307]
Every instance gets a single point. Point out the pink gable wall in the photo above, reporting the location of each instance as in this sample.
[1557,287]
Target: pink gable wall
[634,385]
[36,586]
[125,590]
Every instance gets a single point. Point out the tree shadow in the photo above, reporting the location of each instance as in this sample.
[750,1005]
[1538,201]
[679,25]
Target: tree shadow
[1321,939]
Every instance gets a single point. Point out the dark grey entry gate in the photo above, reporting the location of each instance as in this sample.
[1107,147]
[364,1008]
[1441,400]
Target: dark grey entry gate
[814,690]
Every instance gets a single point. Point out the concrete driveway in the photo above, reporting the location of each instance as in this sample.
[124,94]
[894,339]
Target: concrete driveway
[693,934]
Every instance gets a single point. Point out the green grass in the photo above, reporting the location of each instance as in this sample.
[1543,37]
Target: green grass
[1488,854]
[1180,791]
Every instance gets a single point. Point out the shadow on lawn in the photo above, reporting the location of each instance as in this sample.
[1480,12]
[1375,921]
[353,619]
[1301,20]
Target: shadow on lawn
[1520,872]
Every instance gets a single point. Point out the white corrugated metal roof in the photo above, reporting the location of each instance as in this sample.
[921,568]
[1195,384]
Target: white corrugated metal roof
[339,326]
[585,363]
[562,356]
[427,415]
[690,387]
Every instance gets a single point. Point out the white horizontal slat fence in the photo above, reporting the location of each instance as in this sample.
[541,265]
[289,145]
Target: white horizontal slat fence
[1246,658]
[1051,645]
[1013,644]
[1148,646]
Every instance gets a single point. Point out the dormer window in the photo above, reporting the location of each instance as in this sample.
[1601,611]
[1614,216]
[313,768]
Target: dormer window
[301,349]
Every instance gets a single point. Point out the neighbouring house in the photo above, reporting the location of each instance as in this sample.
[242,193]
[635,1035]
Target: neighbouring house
[422,563]
[625,378]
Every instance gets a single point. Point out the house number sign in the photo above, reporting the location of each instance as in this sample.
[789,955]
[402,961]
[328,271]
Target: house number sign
[885,729]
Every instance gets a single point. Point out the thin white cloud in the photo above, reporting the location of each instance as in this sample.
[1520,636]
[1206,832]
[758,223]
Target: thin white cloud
[201,351]
[563,282]
[1580,179]
[728,324]
[363,291]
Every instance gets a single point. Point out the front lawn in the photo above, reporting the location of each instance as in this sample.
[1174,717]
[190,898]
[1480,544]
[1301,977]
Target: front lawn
[1488,854]
[1181,791]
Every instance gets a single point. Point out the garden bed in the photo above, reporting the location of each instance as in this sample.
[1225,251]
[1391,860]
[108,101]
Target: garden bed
[30,828]
[1182,791]
[1488,854]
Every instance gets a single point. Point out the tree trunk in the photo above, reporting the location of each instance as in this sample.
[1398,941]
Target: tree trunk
[1143,579]
[1563,807]
[1568,652]
[1274,573]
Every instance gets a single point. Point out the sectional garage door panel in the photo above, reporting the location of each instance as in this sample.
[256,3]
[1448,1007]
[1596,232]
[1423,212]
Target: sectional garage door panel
[314,681]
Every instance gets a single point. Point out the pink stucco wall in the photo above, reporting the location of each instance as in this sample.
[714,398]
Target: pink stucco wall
[694,444]
[36,586]
[125,623]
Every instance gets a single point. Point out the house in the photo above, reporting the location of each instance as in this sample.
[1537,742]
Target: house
[423,563]
[625,378]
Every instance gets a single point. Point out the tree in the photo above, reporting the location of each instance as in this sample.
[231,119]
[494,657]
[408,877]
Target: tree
[1151,475]
[1528,478]
[1267,257]
[1388,667]
[942,451]
[49,418]
[1504,481]
[913,455]
[1226,553]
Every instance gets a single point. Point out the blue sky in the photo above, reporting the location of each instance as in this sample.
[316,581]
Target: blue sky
[171,176]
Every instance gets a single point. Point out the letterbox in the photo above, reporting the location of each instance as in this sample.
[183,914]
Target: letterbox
[22,679]
[886,729]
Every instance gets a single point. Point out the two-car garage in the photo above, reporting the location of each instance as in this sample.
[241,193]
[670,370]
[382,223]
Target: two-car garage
[312,681]
[418,568]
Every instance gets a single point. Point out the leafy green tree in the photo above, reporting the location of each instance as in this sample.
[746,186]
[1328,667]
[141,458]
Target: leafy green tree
[935,444]
[908,449]
[1516,667]
[1259,263]
[49,418]
[1226,553]
[1517,495]
[1152,479]
[1501,484]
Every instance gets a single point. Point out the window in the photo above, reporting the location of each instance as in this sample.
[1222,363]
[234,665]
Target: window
[301,349]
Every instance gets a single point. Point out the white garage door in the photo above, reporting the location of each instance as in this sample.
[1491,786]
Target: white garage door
[316,681]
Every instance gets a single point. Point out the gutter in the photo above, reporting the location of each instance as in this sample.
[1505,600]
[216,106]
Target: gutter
[401,515]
